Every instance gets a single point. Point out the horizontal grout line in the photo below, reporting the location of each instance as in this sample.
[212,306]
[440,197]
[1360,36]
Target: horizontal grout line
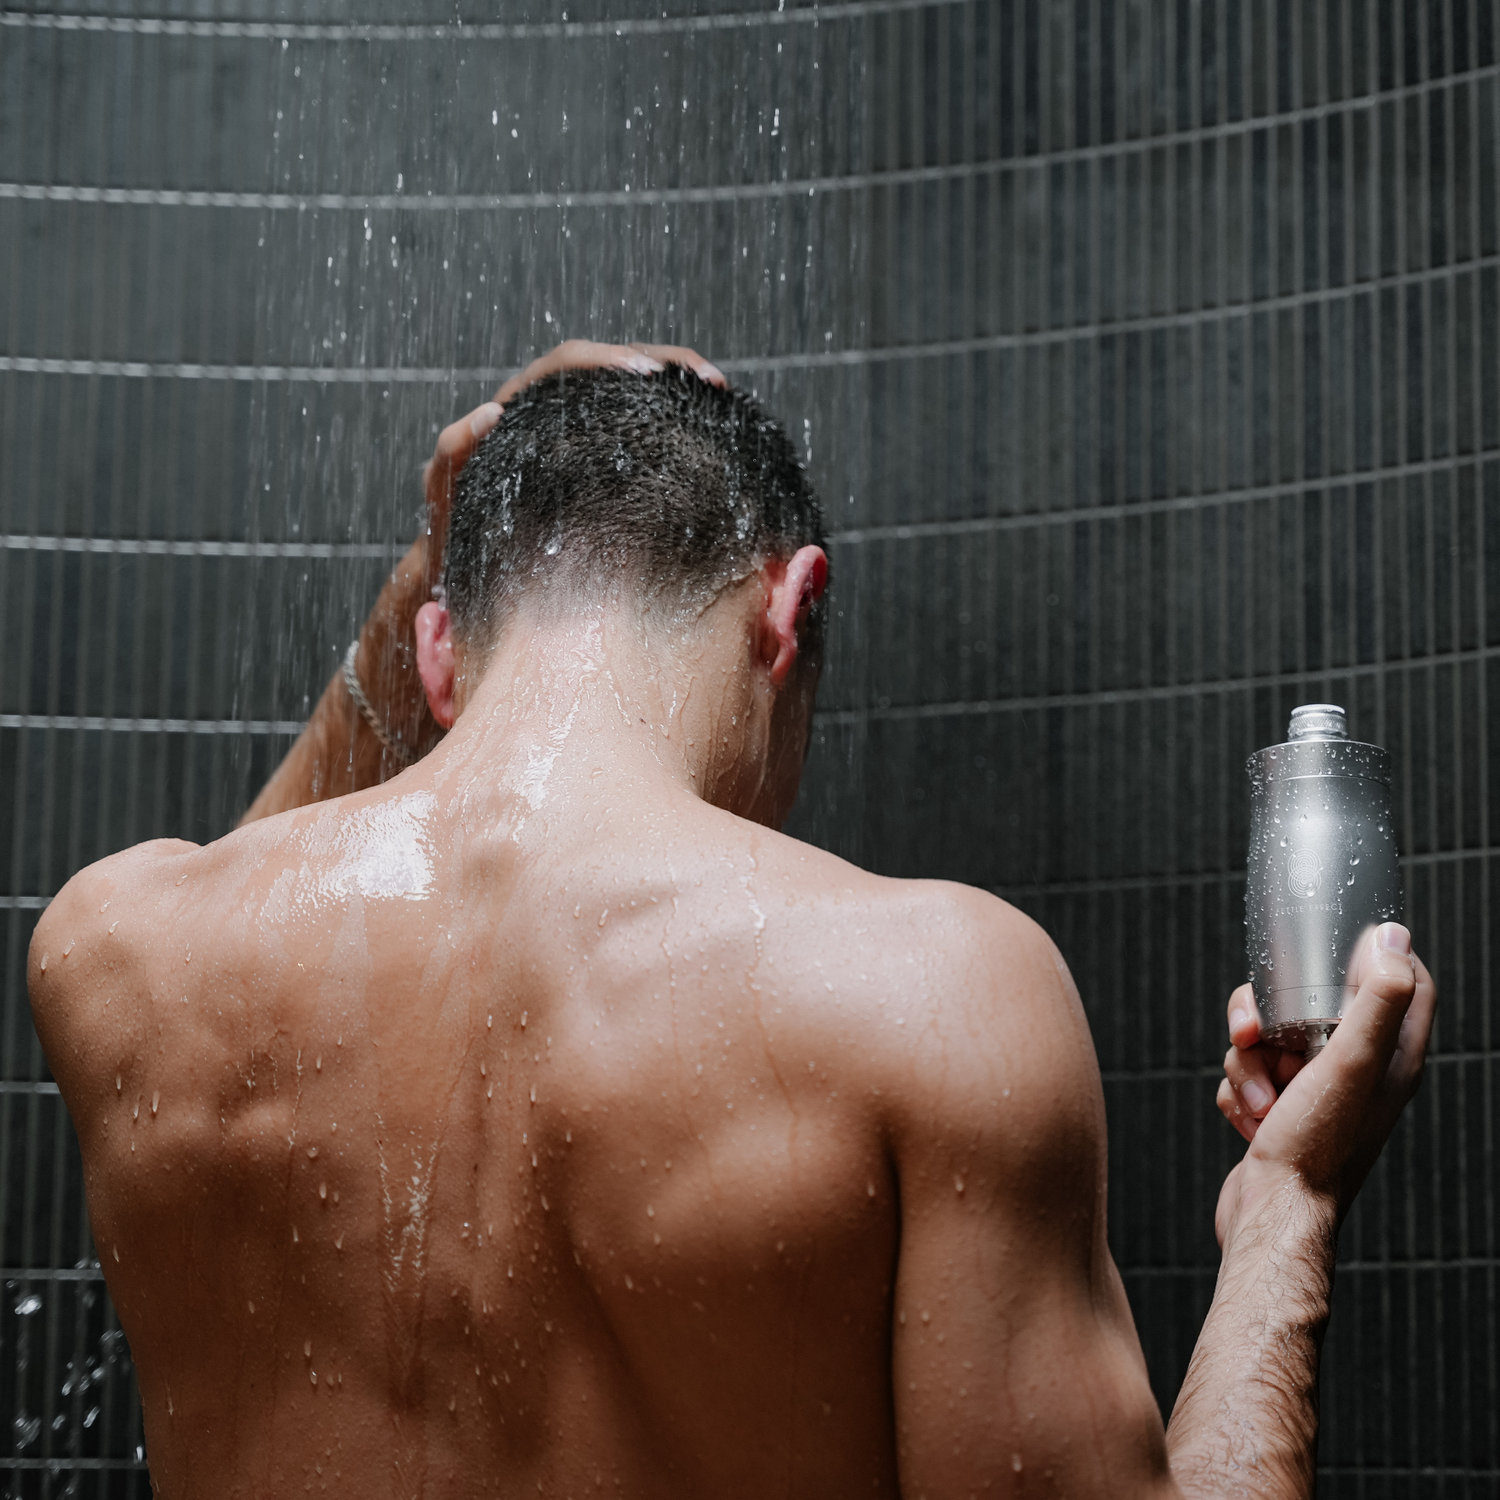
[61,1465]
[483,31]
[91,1272]
[1203,1072]
[23,1087]
[152,547]
[1127,509]
[727,192]
[130,369]
[1407,1471]
[1357,1267]
[763,363]
[854,536]
[1104,884]
[982,707]
[93,724]
[25,903]
[1083,332]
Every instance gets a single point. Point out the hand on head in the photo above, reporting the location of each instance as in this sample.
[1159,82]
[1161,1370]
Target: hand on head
[455,446]
[1324,1120]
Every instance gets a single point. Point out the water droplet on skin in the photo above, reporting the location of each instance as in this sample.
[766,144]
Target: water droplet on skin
[650,1212]
[155,1100]
[338,1243]
[135,1114]
[958,1184]
[312,1153]
[533,1093]
[313,1374]
[323,1191]
[489,1023]
[1015,1462]
[927,1317]
[251,1306]
[295,1239]
[334,1128]
[114,924]
[69,948]
[318,1063]
[481,1067]
[44,963]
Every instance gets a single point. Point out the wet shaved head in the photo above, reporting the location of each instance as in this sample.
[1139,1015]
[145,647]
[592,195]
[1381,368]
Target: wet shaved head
[594,478]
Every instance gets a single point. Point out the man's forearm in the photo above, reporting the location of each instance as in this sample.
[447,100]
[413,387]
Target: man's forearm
[338,752]
[1246,1420]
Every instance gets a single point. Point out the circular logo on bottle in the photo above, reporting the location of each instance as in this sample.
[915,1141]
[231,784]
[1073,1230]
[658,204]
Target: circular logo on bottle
[1304,873]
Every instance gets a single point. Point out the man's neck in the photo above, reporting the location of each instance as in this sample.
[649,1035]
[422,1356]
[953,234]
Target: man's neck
[573,708]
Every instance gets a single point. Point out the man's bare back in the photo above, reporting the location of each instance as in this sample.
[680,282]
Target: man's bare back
[503,1150]
[543,1122]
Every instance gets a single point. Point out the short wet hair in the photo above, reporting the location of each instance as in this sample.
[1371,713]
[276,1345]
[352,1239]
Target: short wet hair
[593,477]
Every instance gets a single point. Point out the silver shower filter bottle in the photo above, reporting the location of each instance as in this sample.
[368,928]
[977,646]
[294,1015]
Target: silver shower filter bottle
[1322,872]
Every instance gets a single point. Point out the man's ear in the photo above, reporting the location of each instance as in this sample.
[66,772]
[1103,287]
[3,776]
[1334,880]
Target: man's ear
[792,595]
[435,661]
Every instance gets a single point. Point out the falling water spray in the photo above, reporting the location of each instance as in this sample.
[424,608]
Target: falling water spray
[1322,872]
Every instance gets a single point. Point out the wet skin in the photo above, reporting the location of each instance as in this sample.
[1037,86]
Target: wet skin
[493,1129]
[543,1122]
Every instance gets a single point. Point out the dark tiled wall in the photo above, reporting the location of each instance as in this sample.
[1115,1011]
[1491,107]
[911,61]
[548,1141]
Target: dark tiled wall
[1145,353]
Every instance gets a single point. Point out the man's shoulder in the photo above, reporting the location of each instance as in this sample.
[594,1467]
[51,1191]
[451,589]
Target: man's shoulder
[928,963]
[101,895]
[961,1007]
[94,940]
[951,940]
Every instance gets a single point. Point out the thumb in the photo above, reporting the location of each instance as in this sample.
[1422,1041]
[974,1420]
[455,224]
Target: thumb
[1366,1037]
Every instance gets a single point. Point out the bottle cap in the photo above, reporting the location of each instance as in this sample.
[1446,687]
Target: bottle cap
[1318,721]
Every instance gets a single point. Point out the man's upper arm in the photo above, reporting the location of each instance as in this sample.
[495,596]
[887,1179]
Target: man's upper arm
[1014,1354]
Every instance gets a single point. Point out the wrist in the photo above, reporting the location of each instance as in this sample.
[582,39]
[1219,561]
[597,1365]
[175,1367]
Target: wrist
[1277,1225]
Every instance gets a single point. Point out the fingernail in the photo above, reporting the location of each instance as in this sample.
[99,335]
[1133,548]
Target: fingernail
[1257,1096]
[484,419]
[712,374]
[643,364]
[1238,1019]
[1394,936]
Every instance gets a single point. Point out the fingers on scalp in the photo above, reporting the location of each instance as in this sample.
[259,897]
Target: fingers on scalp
[455,440]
